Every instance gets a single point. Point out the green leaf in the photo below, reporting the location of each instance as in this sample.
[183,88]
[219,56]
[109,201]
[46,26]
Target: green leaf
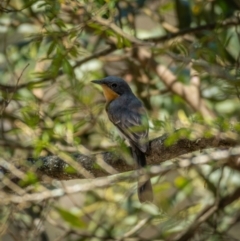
[182,49]
[60,23]
[151,209]
[70,169]
[51,48]
[181,182]
[237,127]
[168,6]
[73,52]
[173,138]
[67,68]
[158,124]
[56,63]
[71,218]
[126,42]
[29,179]
[119,42]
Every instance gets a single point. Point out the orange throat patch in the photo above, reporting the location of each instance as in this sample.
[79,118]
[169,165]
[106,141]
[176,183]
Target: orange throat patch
[108,93]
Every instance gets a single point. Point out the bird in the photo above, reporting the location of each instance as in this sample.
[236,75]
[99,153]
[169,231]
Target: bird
[129,116]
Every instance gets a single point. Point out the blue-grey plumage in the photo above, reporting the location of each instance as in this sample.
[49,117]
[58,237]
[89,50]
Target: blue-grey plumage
[128,114]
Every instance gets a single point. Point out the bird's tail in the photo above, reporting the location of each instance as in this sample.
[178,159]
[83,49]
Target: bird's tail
[145,192]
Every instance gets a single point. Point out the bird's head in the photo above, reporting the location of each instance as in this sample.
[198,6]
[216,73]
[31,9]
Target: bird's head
[113,87]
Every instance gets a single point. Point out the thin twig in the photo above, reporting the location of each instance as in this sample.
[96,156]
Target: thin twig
[205,214]
[14,90]
[98,54]
[226,23]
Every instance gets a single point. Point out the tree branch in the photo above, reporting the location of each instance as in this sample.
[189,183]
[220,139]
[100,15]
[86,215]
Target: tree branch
[55,167]
[106,182]
[205,214]
[103,52]
[223,24]
[190,93]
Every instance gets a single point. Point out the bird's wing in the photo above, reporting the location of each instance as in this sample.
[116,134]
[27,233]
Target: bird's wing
[133,124]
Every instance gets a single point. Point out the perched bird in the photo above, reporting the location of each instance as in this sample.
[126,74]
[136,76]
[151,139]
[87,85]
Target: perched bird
[127,113]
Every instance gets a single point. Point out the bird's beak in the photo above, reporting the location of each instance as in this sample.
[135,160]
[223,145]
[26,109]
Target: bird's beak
[99,82]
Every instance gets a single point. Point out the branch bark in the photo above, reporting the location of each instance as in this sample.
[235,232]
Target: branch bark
[218,156]
[55,167]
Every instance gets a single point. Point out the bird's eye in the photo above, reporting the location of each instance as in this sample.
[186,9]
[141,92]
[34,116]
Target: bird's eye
[114,85]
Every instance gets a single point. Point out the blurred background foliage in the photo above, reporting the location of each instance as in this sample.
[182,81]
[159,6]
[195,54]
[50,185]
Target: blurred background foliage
[49,53]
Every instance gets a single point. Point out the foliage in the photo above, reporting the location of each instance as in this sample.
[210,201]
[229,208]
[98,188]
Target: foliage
[49,53]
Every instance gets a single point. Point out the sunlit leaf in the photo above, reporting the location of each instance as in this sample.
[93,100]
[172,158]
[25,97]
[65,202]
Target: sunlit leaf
[71,218]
